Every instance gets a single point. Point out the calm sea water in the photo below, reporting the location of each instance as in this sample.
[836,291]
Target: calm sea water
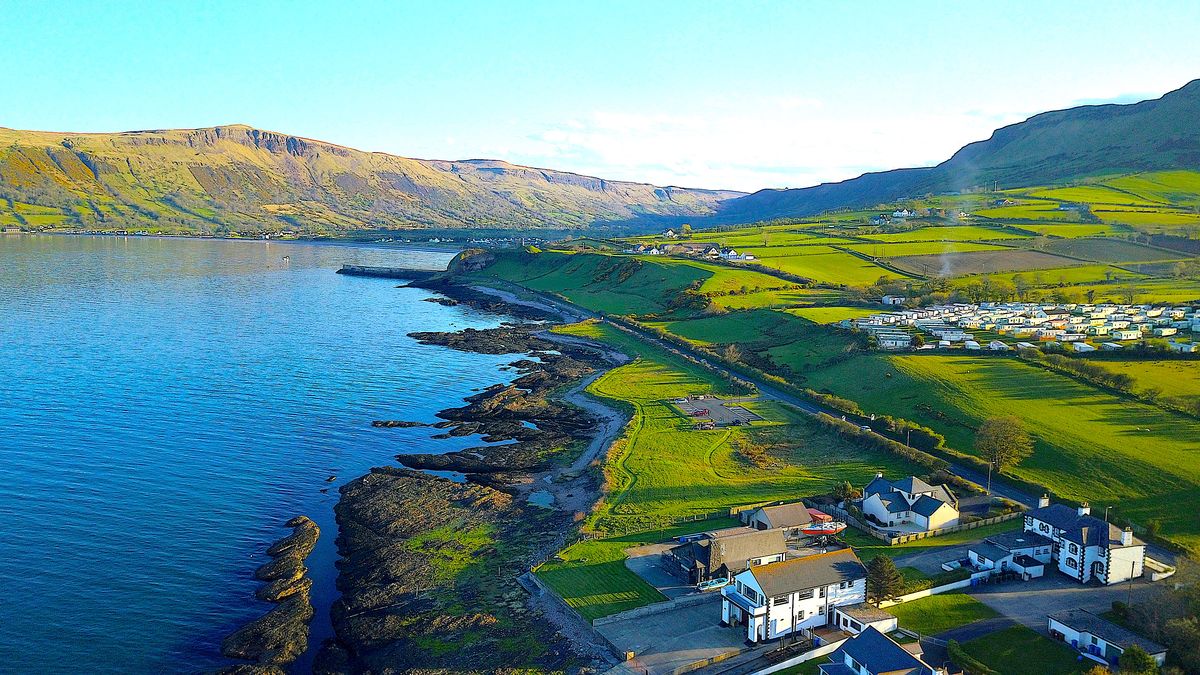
[166,404]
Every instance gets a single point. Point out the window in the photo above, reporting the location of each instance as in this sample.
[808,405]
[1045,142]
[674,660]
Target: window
[1071,563]
[1043,527]
[821,610]
[779,600]
[822,592]
[800,615]
[1074,549]
[844,584]
[1095,641]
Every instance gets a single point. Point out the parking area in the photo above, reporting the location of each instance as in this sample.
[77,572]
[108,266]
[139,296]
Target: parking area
[721,412]
[647,562]
[930,561]
[675,638]
[1029,602]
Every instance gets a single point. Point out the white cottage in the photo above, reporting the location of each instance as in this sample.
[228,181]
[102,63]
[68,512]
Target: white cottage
[1100,639]
[910,501]
[795,596]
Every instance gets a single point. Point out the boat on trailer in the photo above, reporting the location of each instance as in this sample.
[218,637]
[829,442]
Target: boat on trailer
[828,529]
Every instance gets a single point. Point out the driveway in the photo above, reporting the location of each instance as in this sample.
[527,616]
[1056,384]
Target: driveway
[647,563]
[668,640]
[930,561]
[1028,602]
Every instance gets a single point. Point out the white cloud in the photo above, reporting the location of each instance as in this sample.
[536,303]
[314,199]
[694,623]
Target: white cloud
[780,142]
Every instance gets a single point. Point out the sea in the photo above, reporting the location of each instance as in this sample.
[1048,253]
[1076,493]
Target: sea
[166,404]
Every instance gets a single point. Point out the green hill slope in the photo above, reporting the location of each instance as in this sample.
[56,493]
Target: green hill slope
[1052,147]
[236,178]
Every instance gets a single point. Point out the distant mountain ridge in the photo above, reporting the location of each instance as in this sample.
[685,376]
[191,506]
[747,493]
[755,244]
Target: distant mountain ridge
[238,178]
[1057,146]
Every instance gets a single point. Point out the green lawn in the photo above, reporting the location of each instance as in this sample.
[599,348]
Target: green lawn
[1020,651]
[592,576]
[887,250]
[1090,445]
[938,613]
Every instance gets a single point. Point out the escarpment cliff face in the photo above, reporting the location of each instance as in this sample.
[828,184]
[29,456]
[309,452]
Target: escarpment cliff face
[236,178]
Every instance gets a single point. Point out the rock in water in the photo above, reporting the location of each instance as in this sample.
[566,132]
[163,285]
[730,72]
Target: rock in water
[280,636]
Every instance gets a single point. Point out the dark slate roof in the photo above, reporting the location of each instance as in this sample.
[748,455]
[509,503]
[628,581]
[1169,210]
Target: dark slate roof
[1087,622]
[1083,530]
[1019,540]
[926,505]
[879,654]
[912,484]
[894,501]
[731,550]
[1027,562]
[877,486]
[787,515]
[811,571]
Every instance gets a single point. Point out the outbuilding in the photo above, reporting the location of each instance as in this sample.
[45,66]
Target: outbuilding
[1099,639]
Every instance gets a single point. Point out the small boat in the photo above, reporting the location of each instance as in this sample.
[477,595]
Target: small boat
[823,529]
[712,584]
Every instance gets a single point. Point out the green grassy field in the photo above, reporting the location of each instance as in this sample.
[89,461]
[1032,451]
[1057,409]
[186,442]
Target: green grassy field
[1068,231]
[1061,276]
[593,579]
[1020,651]
[1177,382]
[937,613]
[1042,210]
[1091,445]
[834,268]
[831,314]
[750,327]
[778,298]
[662,472]
[884,250]
[949,233]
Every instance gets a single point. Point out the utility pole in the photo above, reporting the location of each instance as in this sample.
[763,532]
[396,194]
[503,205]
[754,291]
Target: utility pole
[1129,597]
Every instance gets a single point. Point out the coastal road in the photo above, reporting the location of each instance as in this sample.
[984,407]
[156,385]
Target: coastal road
[765,389]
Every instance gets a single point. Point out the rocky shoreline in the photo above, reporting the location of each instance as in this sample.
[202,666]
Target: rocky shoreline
[276,639]
[428,566]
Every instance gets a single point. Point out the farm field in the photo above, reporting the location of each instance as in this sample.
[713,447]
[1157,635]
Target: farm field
[1062,276]
[1169,291]
[1108,250]
[825,315]
[1067,230]
[1174,187]
[1095,194]
[741,327]
[810,348]
[1020,651]
[948,233]
[788,297]
[1176,381]
[833,268]
[937,613]
[1045,210]
[884,250]
[1091,445]
[1148,221]
[980,262]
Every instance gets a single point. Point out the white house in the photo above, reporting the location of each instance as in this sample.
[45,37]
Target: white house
[894,340]
[669,234]
[1086,548]
[893,299]
[1099,639]
[794,596]
[873,653]
[1024,554]
[909,501]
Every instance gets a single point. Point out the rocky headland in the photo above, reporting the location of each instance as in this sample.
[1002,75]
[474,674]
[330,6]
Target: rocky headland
[280,636]
[428,579]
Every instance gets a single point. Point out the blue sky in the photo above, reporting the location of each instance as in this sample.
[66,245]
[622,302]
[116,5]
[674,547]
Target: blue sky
[726,94]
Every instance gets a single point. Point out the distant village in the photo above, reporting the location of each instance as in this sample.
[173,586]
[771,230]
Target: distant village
[1021,325]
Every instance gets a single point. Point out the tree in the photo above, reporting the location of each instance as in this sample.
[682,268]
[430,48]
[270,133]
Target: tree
[732,353]
[845,490]
[1003,443]
[918,340]
[1137,660]
[884,581]
[686,230]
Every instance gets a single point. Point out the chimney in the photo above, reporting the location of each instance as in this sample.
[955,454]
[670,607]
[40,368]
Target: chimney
[879,474]
[1127,537]
[1044,501]
[1085,509]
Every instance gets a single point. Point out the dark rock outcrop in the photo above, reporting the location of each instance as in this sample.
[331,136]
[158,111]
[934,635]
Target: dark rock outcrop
[280,636]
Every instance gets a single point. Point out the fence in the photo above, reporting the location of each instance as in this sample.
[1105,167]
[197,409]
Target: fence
[893,539]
